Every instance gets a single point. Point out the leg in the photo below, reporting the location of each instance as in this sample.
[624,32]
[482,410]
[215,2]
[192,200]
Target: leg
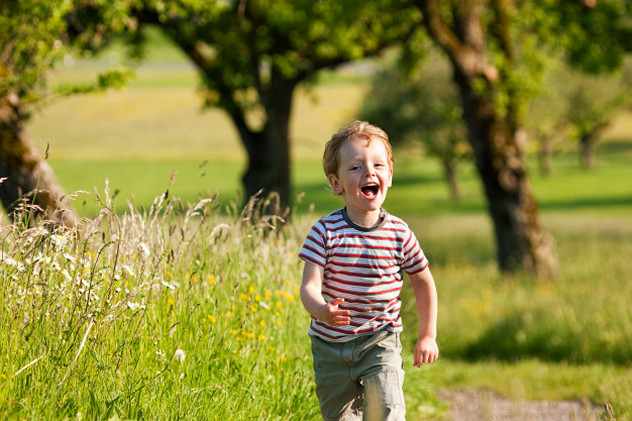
[339,395]
[383,378]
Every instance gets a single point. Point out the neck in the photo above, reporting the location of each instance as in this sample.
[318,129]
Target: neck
[365,219]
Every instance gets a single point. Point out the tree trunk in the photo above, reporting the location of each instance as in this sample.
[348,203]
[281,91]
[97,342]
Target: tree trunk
[29,188]
[546,151]
[587,142]
[268,172]
[496,137]
[450,171]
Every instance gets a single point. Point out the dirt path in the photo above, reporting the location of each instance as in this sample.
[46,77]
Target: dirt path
[483,405]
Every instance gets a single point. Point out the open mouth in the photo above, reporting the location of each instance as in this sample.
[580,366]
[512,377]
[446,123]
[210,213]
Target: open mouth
[370,190]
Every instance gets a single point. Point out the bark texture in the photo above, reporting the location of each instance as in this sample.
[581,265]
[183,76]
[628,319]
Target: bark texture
[29,188]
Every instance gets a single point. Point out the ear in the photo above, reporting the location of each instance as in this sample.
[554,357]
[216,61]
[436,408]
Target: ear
[334,183]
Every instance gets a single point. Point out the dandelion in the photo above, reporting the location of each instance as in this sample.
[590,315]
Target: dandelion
[170,301]
[179,355]
[230,314]
[282,358]
[254,309]
[278,323]
[262,337]
[262,323]
[245,297]
[211,279]
[252,290]
[276,313]
[257,298]
[212,318]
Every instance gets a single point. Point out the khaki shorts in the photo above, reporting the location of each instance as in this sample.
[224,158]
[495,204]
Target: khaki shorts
[361,379]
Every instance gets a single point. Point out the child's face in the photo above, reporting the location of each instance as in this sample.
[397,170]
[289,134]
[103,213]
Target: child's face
[364,175]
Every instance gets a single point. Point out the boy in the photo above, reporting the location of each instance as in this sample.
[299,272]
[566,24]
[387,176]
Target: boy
[354,262]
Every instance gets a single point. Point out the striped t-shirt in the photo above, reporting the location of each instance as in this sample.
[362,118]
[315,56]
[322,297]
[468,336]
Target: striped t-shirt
[365,267]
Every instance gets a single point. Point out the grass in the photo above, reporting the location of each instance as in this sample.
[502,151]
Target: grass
[93,318]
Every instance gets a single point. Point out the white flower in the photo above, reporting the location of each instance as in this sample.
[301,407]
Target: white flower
[59,239]
[11,262]
[179,355]
[128,270]
[144,249]
[264,305]
[66,275]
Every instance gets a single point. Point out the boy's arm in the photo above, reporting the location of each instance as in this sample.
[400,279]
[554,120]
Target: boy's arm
[313,300]
[426,350]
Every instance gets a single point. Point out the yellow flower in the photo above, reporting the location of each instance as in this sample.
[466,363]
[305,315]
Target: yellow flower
[282,358]
[276,313]
[278,304]
[233,331]
[251,289]
[188,276]
[278,323]
[230,314]
[262,337]
[170,301]
[245,297]
[21,352]
[254,309]
[257,297]
[212,318]
[262,323]
[211,279]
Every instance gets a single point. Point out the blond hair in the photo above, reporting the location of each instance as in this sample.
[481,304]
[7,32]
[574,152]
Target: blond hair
[362,129]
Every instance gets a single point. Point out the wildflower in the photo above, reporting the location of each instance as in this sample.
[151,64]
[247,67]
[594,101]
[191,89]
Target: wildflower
[66,275]
[128,270]
[276,313]
[282,358]
[278,323]
[262,337]
[59,240]
[251,289]
[170,301]
[230,314]
[212,318]
[160,353]
[181,376]
[179,355]
[262,323]
[254,309]
[257,297]
[264,305]
[211,279]
[11,262]
[144,249]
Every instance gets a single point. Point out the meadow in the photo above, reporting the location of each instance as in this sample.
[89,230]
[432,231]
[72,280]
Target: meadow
[173,307]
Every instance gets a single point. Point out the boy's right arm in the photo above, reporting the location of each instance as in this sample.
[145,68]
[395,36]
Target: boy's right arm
[313,300]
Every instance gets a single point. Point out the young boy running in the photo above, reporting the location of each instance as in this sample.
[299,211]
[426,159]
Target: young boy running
[354,263]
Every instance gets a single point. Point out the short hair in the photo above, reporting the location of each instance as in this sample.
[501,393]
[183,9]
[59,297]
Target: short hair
[362,129]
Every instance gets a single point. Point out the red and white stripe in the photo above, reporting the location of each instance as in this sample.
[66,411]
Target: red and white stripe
[365,267]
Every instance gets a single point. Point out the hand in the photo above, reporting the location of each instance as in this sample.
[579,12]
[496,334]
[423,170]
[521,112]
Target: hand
[331,315]
[426,351]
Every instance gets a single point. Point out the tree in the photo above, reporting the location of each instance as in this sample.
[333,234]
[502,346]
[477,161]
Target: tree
[252,54]
[592,102]
[420,105]
[496,50]
[30,44]
[577,106]
[35,35]
[471,33]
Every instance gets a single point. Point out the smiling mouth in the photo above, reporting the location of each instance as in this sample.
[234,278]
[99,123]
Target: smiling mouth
[370,191]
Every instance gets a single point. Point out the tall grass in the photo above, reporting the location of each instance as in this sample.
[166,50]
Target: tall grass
[167,314]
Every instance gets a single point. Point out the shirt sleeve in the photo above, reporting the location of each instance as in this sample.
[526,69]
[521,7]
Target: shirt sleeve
[314,248]
[414,260]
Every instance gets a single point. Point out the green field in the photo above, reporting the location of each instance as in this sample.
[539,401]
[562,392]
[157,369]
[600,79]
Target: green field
[225,294]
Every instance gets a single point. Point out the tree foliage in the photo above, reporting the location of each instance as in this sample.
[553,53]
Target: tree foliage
[251,56]
[420,105]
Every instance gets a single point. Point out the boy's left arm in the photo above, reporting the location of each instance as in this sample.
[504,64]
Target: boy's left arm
[426,350]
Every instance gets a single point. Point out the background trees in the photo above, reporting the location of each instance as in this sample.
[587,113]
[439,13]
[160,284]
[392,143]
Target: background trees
[252,55]
[420,105]
[496,50]
[30,44]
